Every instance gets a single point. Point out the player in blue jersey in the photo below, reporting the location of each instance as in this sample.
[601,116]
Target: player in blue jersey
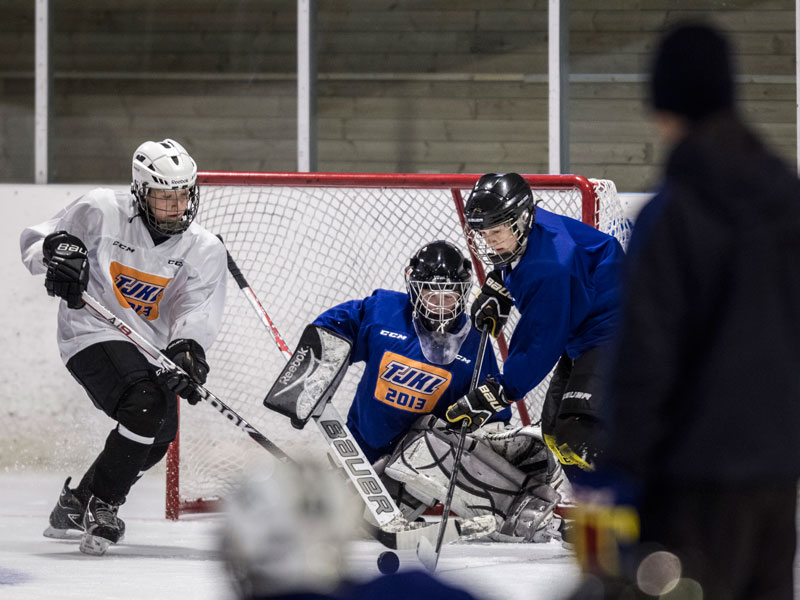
[563,276]
[419,350]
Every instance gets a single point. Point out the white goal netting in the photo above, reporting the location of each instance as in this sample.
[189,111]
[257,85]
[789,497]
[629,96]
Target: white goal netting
[306,242]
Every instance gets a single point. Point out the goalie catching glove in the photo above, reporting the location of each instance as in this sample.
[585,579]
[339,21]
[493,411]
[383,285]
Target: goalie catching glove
[67,263]
[478,405]
[492,305]
[189,356]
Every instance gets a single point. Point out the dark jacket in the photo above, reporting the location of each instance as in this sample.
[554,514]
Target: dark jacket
[706,380]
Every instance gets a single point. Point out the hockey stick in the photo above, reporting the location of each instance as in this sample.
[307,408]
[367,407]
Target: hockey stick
[165,363]
[392,529]
[427,555]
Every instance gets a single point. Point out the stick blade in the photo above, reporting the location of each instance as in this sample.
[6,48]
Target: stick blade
[427,554]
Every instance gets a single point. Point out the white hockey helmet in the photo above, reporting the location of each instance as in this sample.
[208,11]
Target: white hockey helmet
[164,165]
[285,530]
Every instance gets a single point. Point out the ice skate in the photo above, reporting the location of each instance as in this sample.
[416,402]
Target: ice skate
[101,526]
[66,519]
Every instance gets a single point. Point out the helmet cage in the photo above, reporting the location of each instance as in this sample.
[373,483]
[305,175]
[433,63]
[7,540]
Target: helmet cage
[439,302]
[520,227]
[175,227]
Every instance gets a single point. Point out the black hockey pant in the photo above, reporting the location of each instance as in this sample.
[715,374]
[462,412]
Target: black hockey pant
[122,384]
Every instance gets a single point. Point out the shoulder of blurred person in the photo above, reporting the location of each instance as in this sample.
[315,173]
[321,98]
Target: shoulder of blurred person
[729,170]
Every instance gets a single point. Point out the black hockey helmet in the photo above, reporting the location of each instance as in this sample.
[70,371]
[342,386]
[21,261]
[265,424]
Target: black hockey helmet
[498,200]
[438,280]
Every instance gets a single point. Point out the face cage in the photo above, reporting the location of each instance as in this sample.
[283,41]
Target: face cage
[484,251]
[439,315]
[175,227]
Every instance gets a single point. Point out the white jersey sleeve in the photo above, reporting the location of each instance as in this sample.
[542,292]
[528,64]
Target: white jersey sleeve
[175,289]
[77,219]
[198,306]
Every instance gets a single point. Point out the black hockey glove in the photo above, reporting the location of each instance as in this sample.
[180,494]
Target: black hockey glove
[478,405]
[492,305]
[189,356]
[67,263]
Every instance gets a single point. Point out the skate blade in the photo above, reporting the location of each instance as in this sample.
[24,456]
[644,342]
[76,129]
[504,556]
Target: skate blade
[61,534]
[94,545]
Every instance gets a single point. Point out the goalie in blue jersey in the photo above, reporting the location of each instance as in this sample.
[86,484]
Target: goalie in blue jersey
[419,350]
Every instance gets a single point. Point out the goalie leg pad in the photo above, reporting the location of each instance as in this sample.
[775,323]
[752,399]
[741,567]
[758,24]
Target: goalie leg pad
[525,448]
[423,461]
[531,517]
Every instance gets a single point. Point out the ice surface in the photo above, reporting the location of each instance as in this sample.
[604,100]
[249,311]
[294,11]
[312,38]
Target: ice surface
[164,559]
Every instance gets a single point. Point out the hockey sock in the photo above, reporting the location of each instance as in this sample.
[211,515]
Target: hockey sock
[157,452]
[83,491]
[118,467]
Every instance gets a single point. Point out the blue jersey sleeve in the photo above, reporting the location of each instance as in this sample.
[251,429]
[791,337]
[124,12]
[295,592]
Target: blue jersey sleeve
[540,336]
[346,320]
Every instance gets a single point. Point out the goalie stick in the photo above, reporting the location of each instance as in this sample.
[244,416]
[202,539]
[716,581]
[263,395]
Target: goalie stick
[392,529]
[165,363]
[428,555]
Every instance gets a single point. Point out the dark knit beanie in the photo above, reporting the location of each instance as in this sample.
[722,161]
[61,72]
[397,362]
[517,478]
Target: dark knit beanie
[692,75]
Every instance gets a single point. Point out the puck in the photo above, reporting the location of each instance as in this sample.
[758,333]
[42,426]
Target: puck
[388,562]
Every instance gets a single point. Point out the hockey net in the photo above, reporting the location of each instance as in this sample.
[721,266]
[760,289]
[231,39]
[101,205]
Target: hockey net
[306,242]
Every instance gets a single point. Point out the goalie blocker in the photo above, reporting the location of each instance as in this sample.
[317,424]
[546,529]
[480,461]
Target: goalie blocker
[310,378]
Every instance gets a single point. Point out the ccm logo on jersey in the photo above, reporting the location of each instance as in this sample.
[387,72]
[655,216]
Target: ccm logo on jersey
[123,246]
[138,290]
[392,334]
[409,384]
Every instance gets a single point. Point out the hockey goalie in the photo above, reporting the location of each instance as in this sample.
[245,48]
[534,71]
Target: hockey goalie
[419,351]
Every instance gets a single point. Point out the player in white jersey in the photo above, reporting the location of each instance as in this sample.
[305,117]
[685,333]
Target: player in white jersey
[142,256]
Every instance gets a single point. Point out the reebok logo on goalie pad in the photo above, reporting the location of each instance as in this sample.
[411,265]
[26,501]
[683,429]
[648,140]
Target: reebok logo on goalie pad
[138,290]
[300,356]
[409,384]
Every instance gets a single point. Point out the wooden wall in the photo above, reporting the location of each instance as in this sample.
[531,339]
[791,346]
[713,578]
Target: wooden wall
[404,86]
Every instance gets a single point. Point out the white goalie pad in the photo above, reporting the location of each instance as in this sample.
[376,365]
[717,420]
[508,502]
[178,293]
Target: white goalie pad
[525,448]
[487,483]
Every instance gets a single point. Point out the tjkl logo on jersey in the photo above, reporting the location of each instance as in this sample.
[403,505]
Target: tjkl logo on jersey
[409,384]
[137,290]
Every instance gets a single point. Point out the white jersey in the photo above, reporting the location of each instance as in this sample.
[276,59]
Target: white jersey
[172,290]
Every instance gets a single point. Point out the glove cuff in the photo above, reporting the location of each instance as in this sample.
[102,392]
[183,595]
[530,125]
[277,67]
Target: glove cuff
[181,345]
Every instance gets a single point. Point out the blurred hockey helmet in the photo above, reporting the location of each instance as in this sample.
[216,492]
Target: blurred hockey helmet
[284,530]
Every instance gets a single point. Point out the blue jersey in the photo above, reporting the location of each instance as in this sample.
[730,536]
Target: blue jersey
[566,286]
[399,384]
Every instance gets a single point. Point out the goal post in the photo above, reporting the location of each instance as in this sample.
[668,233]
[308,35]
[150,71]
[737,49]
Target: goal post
[309,241]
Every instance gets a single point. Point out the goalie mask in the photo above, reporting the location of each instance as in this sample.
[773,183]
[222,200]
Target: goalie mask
[499,215]
[165,186]
[438,280]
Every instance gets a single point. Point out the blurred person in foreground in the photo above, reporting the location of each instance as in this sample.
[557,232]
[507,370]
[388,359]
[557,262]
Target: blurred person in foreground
[285,536]
[703,453]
